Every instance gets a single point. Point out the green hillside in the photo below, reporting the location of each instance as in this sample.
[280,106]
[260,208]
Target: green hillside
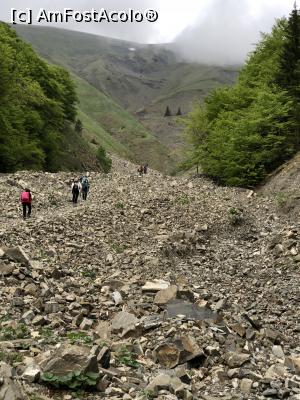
[106,123]
[141,79]
[37,112]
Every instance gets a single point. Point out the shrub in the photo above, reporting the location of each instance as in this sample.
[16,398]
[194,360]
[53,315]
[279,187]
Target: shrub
[104,161]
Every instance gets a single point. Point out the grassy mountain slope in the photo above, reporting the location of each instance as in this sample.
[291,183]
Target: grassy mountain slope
[108,124]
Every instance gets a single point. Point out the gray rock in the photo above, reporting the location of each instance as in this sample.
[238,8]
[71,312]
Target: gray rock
[70,359]
[165,296]
[123,321]
[278,351]
[246,385]
[235,360]
[155,286]
[17,254]
[31,373]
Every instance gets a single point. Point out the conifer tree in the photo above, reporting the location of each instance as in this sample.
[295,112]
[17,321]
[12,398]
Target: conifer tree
[168,112]
[288,77]
[78,126]
[179,111]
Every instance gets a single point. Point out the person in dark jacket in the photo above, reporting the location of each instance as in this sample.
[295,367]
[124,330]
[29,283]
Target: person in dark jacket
[76,187]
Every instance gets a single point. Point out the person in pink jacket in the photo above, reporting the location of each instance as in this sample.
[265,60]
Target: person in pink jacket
[26,200]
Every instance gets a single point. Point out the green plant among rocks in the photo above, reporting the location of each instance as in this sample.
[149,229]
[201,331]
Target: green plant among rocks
[35,397]
[281,199]
[89,274]
[9,333]
[73,380]
[148,394]
[53,200]
[183,200]
[48,336]
[118,248]
[11,358]
[126,357]
[235,216]
[79,338]
[119,206]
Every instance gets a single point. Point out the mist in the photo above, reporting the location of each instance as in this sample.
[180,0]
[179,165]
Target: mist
[207,31]
[228,30]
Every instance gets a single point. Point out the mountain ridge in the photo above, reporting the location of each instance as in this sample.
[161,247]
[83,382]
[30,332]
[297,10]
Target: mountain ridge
[141,81]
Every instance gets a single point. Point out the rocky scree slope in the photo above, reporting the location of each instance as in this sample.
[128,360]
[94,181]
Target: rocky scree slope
[154,288]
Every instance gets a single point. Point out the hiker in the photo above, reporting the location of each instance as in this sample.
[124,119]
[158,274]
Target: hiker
[76,187]
[145,169]
[140,170]
[85,187]
[26,199]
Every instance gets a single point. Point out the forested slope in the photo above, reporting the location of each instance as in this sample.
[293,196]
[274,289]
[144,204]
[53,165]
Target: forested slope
[244,132]
[37,111]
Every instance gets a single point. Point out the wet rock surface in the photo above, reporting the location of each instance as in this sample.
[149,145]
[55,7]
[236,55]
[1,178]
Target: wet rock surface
[150,289]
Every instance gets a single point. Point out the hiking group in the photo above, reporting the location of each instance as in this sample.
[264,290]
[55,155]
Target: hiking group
[143,169]
[78,186]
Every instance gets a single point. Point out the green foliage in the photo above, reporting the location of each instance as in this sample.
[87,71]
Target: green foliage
[89,274]
[235,216]
[48,336]
[183,199]
[149,394]
[35,397]
[104,161]
[281,199]
[119,249]
[9,333]
[79,338]
[78,126]
[11,357]
[126,357]
[244,132]
[73,380]
[119,206]
[37,102]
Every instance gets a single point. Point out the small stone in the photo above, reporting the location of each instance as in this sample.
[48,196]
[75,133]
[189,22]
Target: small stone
[17,302]
[32,373]
[164,296]
[275,371]
[17,254]
[86,324]
[246,385]
[278,351]
[270,393]
[155,286]
[123,321]
[117,298]
[52,307]
[293,363]
[235,360]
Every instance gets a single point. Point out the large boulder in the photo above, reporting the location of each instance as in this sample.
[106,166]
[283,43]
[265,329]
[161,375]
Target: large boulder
[16,254]
[179,351]
[68,359]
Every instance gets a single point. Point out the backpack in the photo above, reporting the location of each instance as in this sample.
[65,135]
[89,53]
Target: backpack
[25,197]
[75,187]
[85,182]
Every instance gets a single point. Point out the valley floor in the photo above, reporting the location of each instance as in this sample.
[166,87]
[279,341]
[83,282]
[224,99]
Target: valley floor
[227,327]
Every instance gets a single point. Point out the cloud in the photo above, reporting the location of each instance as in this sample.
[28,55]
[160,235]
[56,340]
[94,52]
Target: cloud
[209,31]
[227,30]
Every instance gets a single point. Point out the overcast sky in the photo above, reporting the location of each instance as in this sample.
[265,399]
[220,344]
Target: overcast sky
[218,31]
